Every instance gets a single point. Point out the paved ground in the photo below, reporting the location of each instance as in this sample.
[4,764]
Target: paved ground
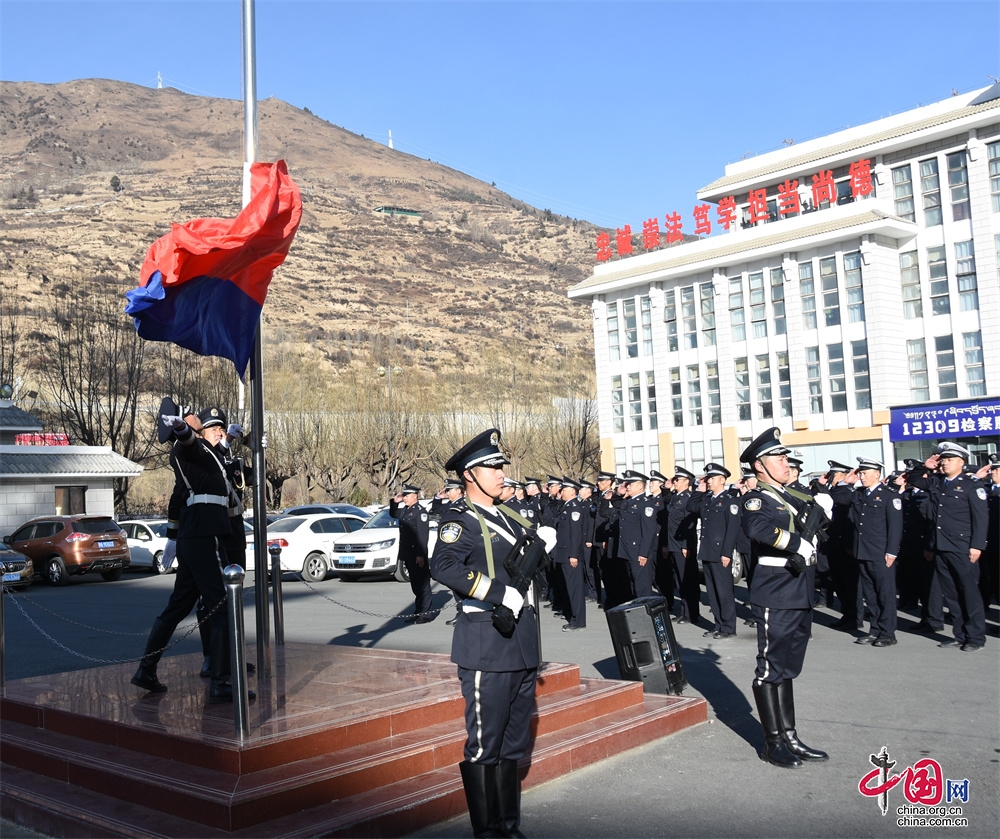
[916,699]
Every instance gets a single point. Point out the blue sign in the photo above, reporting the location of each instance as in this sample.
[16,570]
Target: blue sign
[950,419]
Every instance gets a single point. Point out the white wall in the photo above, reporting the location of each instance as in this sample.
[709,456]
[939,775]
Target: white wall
[21,500]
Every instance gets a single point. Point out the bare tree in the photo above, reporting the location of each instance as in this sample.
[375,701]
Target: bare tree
[10,310]
[572,440]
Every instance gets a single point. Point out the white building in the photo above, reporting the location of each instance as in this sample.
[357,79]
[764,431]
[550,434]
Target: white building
[868,324]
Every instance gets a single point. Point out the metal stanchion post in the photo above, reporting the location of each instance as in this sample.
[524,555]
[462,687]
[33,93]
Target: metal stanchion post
[279,611]
[3,664]
[233,575]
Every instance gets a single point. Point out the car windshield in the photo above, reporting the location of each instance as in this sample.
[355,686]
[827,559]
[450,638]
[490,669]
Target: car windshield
[159,529]
[286,525]
[93,526]
[381,519]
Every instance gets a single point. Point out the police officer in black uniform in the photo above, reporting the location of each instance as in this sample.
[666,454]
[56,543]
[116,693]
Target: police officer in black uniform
[876,513]
[781,580]
[682,545]
[497,674]
[569,554]
[637,532]
[989,572]
[835,557]
[523,505]
[414,531]
[591,572]
[607,500]
[719,513]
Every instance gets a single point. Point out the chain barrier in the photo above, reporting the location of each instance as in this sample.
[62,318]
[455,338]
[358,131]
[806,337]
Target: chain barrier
[412,615]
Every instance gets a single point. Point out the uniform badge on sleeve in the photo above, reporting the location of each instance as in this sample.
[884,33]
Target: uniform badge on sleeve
[981,492]
[734,509]
[575,516]
[649,512]
[423,517]
[897,503]
[450,532]
[753,505]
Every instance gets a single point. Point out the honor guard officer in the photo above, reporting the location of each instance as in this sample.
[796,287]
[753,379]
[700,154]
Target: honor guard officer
[637,533]
[876,513]
[682,545]
[497,673]
[414,531]
[957,508]
[781,579]
[569,556]
[720,522]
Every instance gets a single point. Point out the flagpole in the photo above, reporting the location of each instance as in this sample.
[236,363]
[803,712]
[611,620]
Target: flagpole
[256,365]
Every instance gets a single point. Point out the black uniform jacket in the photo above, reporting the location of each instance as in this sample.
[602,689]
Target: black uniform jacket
[198,472]
[720,524]
[682,533]
[876,518]
[414,529]
[570,532]
[957,511]
[767,520]
[460,563]
[637,528]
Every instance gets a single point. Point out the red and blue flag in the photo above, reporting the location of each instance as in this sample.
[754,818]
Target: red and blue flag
[203,285]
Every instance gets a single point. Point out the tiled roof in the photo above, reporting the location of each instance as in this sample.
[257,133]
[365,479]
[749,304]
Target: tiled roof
[13,418]
[83,461]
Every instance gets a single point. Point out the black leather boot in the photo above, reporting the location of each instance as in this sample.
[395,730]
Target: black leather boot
[509,798]
[480,784]
[775,751]
[786,711]
[221,690]
[145,676]
[205,631]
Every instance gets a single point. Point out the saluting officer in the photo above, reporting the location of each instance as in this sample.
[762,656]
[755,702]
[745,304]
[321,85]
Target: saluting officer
[637,533]
[781,579]
[569,554]
[414,531]
[841,566]
[523,505]
[497,674]
[591,571]
[794,472]
[682,545]
[720,522]
[877,515]
[605,535]
[448,495]
[989,573]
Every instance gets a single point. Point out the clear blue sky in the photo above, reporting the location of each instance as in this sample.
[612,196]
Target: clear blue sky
[613,112]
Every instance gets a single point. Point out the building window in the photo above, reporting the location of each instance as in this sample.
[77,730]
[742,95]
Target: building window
[807,290]
[647,326]
[831,294]
[697,456]
[736,314]
[968,286]
[676,400]
[621,464]
[764,408]
[758,311]
[679,457]
[838,379]
[993,150]
[714,396]
[689,316]
[654,457]
[634,402]
[916,354]
[638,458]
[70,500]
[716,450]
[670,319]
[975,373]
[778,299]
[958,183]
[909,276]
[708,313]
[651,399]
[814,376]
[631,332]
[862,381]
[930,189]
[784,386]
[614,347]
[855,289]
[944,349]
[742,389]
[937,263]
[694,395]
[902,192]
[617,406]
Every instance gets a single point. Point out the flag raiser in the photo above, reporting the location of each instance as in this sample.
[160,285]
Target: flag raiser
[203,285]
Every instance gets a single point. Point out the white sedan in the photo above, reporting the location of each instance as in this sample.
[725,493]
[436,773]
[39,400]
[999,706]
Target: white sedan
[374,550]
[146,541]
[305,542]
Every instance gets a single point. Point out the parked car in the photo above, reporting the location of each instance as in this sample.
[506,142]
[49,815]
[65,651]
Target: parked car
[315,509]
[64,546]
[305,542]
[374,550]
[18,570]
[146,541]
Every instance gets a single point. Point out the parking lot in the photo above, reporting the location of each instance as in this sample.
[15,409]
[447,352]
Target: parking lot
[916,699]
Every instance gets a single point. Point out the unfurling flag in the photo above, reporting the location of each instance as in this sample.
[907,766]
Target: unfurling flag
[203,285]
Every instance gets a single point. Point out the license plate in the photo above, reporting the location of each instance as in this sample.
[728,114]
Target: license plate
[11,578]
[346,560]
[105,543]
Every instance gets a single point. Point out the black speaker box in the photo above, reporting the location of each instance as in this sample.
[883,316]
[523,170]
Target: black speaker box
[645,646]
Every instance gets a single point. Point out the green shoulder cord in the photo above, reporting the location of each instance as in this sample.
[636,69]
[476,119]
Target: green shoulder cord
[487,539]
[777,494]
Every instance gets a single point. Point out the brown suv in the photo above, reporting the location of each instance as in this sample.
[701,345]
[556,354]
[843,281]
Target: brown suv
[61,546]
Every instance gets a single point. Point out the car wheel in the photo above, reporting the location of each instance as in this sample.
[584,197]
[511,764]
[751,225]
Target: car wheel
[402,573]
[314,568]
[55,571]
[111,576]
[737,567]
[349,578]
[158,563]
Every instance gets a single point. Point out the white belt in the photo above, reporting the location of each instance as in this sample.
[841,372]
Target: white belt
[470,605]
[780,561]
[220,500]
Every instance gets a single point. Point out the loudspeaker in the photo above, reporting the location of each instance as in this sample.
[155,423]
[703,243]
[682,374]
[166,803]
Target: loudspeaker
[645,646]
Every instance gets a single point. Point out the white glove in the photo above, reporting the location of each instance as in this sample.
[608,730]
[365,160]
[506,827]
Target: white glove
[169,554]
[548,536]
[234,430]
[513,600]
[825,501]
[174,422]
[805,550]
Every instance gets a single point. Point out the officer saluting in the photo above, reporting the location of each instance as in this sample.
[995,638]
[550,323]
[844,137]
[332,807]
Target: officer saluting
[497,673]
[781,578]
[570,554]
[637,531]
[414,531]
